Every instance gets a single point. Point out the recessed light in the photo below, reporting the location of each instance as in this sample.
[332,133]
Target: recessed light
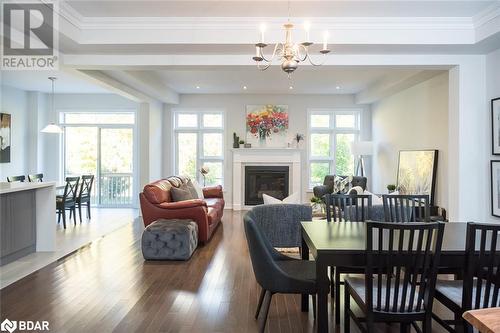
[197,87]
[291,87]
[244,87]
[337,87]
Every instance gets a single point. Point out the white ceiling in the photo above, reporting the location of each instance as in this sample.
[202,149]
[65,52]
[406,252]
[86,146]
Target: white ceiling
[306,80]
[38,81]
[242,8]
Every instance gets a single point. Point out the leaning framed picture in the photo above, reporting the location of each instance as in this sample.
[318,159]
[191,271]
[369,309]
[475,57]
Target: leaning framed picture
[5,128]
[495,126]
[495,188]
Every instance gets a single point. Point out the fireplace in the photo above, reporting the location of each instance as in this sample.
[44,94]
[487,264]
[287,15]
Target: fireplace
[270,180]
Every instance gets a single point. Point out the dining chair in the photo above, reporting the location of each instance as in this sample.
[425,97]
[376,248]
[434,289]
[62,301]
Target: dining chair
[84,194]
[275,272]
[34,178]
[480,286]
[406,208]
[400,276]
[342,208]
[67,201]
[13,179]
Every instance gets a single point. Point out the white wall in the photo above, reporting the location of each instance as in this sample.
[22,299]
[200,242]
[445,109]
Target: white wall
[492,91]
[416,118]
[15,102]
[234,108]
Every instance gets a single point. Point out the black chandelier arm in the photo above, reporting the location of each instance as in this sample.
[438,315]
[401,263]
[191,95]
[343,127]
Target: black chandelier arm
[277,47]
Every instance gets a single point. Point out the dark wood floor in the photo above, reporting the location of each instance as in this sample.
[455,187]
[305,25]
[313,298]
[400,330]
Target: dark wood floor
[108,287]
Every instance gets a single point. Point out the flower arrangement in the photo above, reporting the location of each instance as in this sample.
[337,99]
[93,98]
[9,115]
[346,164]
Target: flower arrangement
[270,119]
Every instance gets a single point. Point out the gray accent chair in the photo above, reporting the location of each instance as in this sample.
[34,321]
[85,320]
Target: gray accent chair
[327,187]
[275,272]
[280,223]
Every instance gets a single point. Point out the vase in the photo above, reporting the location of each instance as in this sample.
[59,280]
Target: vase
[262,138]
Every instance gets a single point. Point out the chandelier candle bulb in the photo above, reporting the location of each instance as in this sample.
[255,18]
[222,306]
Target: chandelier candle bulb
[307,27]
[325,40]
[262,30]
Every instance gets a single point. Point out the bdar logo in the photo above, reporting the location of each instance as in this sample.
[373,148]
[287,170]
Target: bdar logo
[8,326]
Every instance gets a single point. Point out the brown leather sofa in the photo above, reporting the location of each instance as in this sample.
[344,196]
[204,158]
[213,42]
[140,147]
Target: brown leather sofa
[156,202]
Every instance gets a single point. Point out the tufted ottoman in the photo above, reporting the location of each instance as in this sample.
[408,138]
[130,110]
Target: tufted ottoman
[169,239]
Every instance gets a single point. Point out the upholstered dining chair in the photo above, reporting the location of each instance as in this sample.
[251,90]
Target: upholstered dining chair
[481,284]
[34,178]
[67,201]
[406,208]
[84,194]
[343,208]
[280,223]
[12,179]
[275,272]
[400,276]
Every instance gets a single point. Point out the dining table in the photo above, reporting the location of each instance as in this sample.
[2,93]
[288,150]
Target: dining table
[484,320]
[344,244]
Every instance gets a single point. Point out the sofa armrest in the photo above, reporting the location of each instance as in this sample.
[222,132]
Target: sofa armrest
[320,190]
[213,192]
[183,204]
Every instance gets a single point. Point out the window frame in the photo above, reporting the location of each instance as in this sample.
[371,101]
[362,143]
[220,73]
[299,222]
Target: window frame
[200,130]
[333,131]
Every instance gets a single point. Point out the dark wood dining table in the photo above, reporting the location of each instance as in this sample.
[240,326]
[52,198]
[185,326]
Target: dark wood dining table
[344,244]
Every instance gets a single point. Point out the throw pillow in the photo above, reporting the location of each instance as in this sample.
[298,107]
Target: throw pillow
[341,185]
[181,193]
[197,188]
[376,200]
[294,198]
[356,190]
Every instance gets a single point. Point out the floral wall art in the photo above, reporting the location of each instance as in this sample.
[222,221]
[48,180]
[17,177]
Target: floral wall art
[267,125]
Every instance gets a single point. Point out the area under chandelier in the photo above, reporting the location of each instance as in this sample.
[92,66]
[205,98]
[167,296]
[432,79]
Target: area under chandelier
[289,53]
[52,127]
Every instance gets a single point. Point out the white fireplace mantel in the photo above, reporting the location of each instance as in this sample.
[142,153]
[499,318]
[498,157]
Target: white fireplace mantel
[242,157]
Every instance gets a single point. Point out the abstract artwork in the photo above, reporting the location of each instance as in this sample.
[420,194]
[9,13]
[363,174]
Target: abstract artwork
[267,125]
[495,188]
[417,172]
[495,126]
[5,138]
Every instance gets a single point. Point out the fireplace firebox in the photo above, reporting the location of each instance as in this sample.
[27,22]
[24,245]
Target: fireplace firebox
[270,180]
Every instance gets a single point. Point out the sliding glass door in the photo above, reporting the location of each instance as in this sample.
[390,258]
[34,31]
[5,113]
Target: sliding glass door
[105,150]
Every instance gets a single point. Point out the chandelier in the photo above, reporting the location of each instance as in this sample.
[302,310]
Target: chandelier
[289,53]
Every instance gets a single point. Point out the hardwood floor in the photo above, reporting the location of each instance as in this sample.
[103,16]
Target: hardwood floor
[108,287]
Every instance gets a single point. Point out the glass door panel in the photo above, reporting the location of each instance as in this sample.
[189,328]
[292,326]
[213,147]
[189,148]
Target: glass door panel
[116,166]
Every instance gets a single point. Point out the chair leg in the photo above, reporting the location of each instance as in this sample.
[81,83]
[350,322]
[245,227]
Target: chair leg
[88,209]
[347,309]
[337,297]
[404,328]
[332,281]
[58,216]
[267,304]
[314,305]
[80,211]
[74,214]
[63,211]
[261,298]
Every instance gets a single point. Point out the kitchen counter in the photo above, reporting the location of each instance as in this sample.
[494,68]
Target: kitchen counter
[27,219]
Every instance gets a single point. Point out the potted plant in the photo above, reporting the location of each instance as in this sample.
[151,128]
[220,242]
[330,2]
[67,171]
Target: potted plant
[391,188]
[298,137]
[242,144]
[318,206]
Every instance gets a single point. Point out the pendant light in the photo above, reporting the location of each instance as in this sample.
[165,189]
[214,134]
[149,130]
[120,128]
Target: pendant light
[52,127]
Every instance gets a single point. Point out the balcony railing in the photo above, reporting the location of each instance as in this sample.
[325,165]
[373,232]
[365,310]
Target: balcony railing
[115,189]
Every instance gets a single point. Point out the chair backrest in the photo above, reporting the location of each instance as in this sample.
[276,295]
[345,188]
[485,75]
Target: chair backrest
[347,207]
[86,186]
[38,177]
[262,254]
[280,223]
[13,179]
[406,208]
[482,276]
[70,190]
[403,258]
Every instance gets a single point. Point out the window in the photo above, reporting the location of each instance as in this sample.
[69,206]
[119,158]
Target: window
[330,135]
[199,142]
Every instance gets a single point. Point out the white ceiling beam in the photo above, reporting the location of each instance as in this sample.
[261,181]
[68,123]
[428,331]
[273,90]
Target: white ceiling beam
[113,85]
[386,88]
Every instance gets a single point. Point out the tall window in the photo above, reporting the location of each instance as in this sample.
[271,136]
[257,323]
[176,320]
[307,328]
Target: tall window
[101,144]
[330,135]
[199,142]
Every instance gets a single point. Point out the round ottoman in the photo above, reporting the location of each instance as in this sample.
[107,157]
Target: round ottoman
[169,240]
